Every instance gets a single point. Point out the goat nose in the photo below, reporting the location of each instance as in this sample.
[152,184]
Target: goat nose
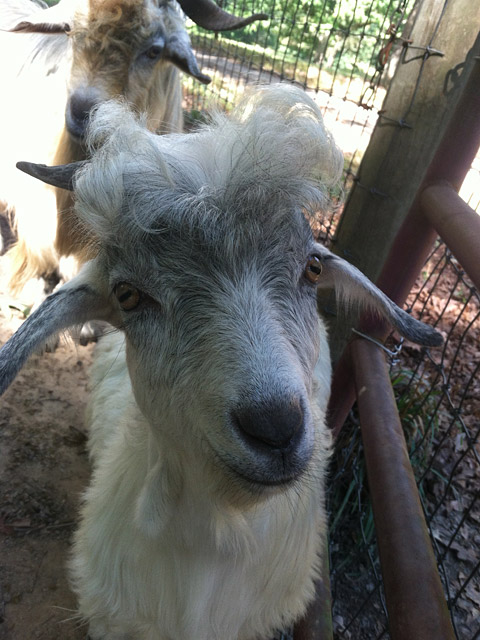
[78,111]
[274,424]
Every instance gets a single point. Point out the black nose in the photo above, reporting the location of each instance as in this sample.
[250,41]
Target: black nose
[78,110]
[274,424]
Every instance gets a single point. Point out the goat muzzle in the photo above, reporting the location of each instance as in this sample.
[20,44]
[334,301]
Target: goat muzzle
[77,113]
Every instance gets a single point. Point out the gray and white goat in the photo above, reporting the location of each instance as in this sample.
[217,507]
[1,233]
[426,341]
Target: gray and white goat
[204,517]
[56,64]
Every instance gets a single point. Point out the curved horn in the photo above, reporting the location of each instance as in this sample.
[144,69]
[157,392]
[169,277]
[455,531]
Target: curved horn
[208,15]
[61,176]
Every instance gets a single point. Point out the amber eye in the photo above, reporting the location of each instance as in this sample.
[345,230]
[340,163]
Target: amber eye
[127,295]
[313,269]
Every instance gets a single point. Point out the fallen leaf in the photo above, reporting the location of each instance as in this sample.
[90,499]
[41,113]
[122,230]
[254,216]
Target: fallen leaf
[463,553]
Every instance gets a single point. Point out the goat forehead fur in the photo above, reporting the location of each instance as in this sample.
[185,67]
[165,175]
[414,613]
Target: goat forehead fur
[248,174]
[121,24]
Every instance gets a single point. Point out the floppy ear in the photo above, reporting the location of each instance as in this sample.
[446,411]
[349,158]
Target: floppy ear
[41,27]
[353,286]
[74,304]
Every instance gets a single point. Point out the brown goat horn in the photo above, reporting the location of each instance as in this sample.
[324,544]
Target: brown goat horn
[208,15]
[60,176]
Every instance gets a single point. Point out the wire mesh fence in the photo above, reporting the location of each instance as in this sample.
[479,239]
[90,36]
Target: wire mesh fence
[339,51]
[336,50]
[445,450]
[438,400]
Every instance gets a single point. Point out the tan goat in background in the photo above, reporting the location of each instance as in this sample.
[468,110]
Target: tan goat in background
[59,63]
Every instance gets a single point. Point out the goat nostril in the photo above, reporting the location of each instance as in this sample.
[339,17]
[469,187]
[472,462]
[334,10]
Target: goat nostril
[273,424]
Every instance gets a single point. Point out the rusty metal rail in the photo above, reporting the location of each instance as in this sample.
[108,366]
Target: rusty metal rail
[317,624]
[413,591]
[457,224]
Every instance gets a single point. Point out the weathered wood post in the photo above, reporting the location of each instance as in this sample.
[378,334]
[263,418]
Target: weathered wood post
[423,92]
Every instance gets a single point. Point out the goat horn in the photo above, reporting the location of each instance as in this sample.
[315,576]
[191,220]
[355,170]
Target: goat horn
[60,176]
[208,15]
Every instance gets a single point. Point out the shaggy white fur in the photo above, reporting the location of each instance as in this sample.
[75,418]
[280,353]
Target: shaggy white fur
[169,548]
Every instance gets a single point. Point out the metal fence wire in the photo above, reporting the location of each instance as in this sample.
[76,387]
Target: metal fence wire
[342,52]
[437,396]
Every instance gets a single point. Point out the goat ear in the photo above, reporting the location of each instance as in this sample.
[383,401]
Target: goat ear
[353,286]
[178,50]
[75,303]
[53,20]
[41,27]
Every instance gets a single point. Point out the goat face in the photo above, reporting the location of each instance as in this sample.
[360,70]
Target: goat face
[124,49]
[223,332]
[128,49]
[208,265]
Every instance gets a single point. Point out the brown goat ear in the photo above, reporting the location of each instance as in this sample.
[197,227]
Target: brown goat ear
[61,176]
[41,27]
[209,15]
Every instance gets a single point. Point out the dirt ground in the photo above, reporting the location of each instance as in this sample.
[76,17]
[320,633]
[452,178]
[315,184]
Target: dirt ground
[43,470]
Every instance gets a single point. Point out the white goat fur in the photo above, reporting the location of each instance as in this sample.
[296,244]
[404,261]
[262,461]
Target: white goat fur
[192,553]
[188,530]
[37,79]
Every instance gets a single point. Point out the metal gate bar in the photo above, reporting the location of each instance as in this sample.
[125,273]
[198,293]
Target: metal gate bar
[317,623]
[457,224]
[413,591]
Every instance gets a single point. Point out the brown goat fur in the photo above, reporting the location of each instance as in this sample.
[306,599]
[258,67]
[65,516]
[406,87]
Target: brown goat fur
[102,55]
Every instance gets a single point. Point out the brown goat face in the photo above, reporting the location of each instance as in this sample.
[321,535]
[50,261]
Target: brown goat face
[129,49]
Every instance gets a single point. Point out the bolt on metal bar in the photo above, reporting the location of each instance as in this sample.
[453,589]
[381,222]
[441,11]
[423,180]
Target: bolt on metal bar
[415,601]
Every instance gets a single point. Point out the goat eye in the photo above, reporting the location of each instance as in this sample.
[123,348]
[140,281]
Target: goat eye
[127,295]
[313,269]
[154,52]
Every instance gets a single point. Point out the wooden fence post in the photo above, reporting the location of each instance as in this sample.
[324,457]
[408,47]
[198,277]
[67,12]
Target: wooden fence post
[423,92]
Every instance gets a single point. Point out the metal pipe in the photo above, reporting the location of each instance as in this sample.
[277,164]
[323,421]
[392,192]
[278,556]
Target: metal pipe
[456,223]
[413,591]
[451,162]
[342,393]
